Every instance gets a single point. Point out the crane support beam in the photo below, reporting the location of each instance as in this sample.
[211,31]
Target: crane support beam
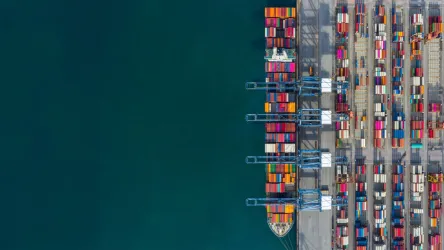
[299,203]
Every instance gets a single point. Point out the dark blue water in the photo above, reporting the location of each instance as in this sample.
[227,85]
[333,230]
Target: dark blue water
[123,125]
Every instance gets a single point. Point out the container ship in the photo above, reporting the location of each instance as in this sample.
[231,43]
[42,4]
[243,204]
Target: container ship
[280,137]
[380,77]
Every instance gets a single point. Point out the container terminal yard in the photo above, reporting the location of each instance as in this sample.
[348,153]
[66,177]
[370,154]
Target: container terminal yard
[353,129]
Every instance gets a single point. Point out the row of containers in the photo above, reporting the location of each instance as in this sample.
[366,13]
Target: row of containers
[417,129]
[398,56]
[398,208]
[398,130]
[282,12]
[280,77]
[417,85]
[280,67]
[273,32]
[416,27]
[361,73]
[417,183]
[342,73]
[380,77]
[435,205]
[380,209]
[361,227]
[280,213]
[433,130]
[380,125]
[342,234]
[360,15]
[435,30]
[435,27]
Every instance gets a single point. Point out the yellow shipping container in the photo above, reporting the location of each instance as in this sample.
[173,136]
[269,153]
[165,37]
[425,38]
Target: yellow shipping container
[289,209]
[293,11]
[292,107]
[421,89]
[385,19]
[267,107]
[272,12]
[433,222]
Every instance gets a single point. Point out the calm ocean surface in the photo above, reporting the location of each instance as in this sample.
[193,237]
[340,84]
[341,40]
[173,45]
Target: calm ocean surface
[123,125]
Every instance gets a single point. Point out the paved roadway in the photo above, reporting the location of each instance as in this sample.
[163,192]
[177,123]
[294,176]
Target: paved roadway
[311,234]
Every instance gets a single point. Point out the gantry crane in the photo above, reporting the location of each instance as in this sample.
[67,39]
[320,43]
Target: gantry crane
[306,159]
[303,117]
[307,200]
[307,86]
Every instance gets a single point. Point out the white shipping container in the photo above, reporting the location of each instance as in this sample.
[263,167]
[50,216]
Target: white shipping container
[362,143]
[340,78]
[343,221]
[380,194]
[417,80]
[380,225]
[344,241]
[380,207]
[290,148]
[270,148]
[417,187]
[381,247]
[417,210]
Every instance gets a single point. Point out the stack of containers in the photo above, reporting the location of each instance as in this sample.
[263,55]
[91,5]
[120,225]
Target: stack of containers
[417,182]
[342,22]
[361,206]
[280,103]
[398,130]
[398,221]
[280,24]
[360,16]
[341,100]
[398,53]
[361,232]
[380,124]
[434,108]
[416,211]
[380,76]
[342,72]
[280,213]
[417,27]
[417,127]
[280,137]
[342,211]
[435,242]
[417,87]
[342,130]
[342,237]
[417,237]
[380,210]
[435,27]
[361,82]
[435,205]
